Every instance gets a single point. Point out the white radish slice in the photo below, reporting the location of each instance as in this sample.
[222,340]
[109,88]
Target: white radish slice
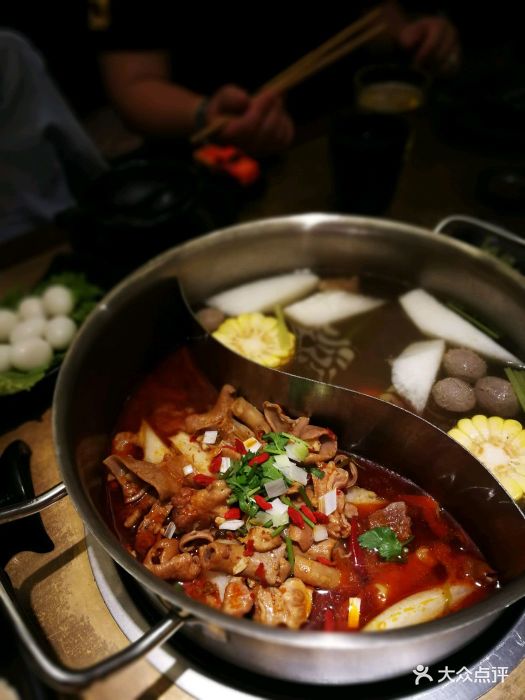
[434,319]
[30,328]
[31,353]
[415,370]
[153,447]
[8,320]
[265,294]
[419,607]
[331,306]
[5,357]
[30,307]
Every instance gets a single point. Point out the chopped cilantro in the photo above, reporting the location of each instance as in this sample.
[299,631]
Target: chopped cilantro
[384,541]
[276,443]
[289,553]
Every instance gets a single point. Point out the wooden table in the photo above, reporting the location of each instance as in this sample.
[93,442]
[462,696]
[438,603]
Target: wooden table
[59,586]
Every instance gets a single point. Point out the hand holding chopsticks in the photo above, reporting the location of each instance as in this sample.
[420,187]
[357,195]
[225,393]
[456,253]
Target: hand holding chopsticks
[352,37]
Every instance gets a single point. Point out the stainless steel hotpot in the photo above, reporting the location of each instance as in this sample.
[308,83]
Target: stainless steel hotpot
[135,323]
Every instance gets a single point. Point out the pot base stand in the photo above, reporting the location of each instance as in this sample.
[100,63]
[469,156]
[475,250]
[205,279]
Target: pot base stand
[466,675]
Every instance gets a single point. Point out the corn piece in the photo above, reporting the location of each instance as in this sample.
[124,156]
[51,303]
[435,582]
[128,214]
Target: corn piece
[259,338]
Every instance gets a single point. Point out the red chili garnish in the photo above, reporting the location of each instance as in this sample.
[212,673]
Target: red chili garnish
[321,518]
[239,447]
[329,621]
[194,437]
[295,517]
[215,465]
[325,561]
[260,573]
[233,514]
[259,459]
[262,503]
[249,548]
[309,514]
[203,479]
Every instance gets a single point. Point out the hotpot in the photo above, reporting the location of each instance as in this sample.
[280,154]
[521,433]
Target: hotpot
[145,316]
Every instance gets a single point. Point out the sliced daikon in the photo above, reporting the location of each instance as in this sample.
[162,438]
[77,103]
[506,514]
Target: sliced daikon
[265,294]
[331,306]
[419,607]
[153,447]
[434,319]
[415,370]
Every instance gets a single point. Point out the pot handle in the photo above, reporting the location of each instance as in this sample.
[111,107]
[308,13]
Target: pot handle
[23,509]
[68,680]
[498,231]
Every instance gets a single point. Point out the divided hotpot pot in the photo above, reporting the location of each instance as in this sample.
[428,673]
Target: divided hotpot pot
[143,317]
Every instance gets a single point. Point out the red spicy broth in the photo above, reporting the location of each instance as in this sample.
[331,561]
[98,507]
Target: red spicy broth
[438,552]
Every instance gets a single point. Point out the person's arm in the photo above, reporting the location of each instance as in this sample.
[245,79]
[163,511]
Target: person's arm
[139,85]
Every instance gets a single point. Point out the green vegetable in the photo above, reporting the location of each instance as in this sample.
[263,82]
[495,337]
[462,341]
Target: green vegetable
[276,443]
[384,541]
[319,473]
[278,530]
[13,381]
[305,498]
[289,552]
[517,378]
[246,480]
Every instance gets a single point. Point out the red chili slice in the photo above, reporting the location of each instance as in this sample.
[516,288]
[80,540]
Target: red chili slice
[233,514]
[249,548]
[239,447]
[325,561]
[260,573]
[204,479]
[262,503]
[215,465]
[194,437]
[259,459]
[295,517]
[309,514]
[321,518]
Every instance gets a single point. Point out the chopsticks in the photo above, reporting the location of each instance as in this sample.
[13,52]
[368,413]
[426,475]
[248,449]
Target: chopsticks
[350,38]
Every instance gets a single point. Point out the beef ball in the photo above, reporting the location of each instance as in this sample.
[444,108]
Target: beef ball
[454,395]
[464,364]
[496,397]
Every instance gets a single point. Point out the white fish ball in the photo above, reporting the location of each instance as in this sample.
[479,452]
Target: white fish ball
[30,307]
[60,331]
[5,357]
[31,353]
[8,320]
[30,328]
[58,300]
